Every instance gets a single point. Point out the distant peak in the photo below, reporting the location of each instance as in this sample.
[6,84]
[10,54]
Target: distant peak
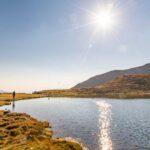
[148,64]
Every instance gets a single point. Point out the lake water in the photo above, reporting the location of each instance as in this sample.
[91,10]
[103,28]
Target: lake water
[101,124]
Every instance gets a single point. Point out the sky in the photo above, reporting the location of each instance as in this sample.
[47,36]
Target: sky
[51,44]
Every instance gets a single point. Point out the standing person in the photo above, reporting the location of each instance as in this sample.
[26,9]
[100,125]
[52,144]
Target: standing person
[14,94]
[13,104]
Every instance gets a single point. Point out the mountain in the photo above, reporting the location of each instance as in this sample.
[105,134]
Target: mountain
[1,91]
[103,78]
[126,86]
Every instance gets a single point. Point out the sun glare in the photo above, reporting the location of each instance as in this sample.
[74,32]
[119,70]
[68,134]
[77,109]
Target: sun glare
[104,18]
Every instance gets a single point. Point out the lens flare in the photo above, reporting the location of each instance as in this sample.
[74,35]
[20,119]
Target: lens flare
[104,18]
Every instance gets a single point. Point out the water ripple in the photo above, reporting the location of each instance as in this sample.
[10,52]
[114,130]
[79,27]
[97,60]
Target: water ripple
[105,142]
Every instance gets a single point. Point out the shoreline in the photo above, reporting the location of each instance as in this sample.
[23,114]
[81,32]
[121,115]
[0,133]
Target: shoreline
[45,126]
[6,98]
[6,117]
[21,131]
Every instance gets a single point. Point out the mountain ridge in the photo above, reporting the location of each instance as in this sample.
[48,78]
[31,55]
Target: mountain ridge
[1,91]
[126,86]
[108,76]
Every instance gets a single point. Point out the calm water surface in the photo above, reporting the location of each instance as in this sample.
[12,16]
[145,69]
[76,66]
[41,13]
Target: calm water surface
[101,124]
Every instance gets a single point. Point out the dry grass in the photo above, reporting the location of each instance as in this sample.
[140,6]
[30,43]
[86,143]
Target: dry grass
[127,86]
[19,131]
[69,93]
[6,99]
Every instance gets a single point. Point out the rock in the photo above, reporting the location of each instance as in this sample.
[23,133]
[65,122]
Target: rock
[3,124]
[6,112]
[46,124]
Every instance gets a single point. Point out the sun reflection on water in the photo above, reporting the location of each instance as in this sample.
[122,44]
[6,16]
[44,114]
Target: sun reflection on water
[105,142]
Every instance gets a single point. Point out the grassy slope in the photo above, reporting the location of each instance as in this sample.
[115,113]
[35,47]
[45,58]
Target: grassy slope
[129,86]
[70,92]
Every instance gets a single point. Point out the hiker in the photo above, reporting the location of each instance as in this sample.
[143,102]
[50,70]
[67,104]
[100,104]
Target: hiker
[13,103]
[14,94]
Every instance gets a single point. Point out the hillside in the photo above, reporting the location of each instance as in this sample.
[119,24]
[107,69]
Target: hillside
[103,78]
[127,85]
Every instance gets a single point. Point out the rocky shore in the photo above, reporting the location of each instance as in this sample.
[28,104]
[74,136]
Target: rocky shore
[19,131]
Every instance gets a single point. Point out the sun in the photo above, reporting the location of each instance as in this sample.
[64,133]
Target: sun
[105,18]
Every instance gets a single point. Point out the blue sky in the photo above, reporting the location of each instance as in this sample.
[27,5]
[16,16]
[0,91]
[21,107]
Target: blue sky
[44,43]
